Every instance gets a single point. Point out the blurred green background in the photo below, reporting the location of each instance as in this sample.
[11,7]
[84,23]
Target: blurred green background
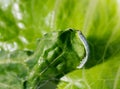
[23,22]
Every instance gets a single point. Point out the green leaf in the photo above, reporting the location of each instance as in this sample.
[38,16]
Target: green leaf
[13,70]
[22,22]
[56,53]
[102,70]
[102,76]
[12,75]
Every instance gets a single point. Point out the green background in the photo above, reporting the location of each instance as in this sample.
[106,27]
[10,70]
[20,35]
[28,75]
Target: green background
[23,22]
